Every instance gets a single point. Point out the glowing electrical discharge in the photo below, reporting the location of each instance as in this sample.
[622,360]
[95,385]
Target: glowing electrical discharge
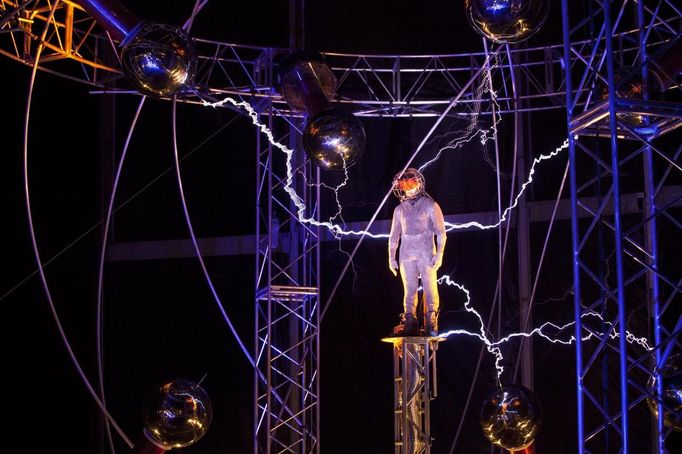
[295,198]
[471,130]
[507,210]
[493,347]
[337,231]
[335,190]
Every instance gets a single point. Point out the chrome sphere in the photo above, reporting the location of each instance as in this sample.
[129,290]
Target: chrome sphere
[177,414]
[334,139]
[511,417]
[159,59]
[671,377]
[293,76]
[629,85]
[507,21]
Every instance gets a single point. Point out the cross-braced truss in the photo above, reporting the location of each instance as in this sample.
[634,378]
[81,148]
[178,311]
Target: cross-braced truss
[370,85]
[414,386]
[74,45]
[286,415]
[620,269]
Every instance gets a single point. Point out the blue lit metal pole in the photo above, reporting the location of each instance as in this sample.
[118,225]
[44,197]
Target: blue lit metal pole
[651,236]
[112,16]
[574,230]
[622,344]
[256,318]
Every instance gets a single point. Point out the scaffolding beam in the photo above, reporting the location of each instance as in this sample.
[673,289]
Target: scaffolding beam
[620,271]
[287,330]
[414,387]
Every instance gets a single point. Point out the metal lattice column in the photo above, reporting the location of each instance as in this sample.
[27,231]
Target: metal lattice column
[414,386]
[620,272]
[286,382]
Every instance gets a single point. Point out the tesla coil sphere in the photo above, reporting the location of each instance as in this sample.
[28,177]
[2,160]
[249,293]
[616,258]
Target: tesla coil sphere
[305,80]
[511,417]
[334,137]
[629,85]
[671,377]
[159,60]
[177,414]
[507,21]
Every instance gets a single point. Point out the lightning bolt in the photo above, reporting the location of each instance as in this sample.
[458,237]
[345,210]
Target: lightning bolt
[490,346]
[335,229]
[471,130]
[335,189]
[505,213]
[493,347]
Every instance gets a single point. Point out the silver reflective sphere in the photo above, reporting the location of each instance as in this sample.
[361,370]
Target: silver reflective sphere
[671,377]
[159,60]
[177,414]
[334,138]
[294,76]
[507,21]
[629,85]
[511,417]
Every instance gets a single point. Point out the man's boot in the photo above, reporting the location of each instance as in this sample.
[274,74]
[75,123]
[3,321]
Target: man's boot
[432,324]
[407,327]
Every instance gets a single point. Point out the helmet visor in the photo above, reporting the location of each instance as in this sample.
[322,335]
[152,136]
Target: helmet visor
[407,184]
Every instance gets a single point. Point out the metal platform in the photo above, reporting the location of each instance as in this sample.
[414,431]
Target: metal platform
[661,118]
[409,339]
[414,387]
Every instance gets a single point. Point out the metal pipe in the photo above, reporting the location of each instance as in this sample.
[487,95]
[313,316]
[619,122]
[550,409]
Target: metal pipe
[650,228]
[257,356]
[574,229]
[618,252]
[667,66]
[112,16]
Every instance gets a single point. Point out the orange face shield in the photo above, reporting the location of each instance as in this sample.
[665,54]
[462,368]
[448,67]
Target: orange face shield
[408,184]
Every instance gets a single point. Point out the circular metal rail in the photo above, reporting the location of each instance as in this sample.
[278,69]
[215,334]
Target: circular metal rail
[371,85]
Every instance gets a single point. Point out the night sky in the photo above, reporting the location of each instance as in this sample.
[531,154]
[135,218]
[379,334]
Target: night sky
[160,319]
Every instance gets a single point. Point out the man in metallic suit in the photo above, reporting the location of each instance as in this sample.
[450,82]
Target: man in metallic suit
[416,221]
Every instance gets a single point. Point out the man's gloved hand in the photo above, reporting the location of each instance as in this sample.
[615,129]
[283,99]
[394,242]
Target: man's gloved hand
[393,266]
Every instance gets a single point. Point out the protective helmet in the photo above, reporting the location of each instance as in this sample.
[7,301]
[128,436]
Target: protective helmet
[408,184]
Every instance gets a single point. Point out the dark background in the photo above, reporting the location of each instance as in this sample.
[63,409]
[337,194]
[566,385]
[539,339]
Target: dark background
[161,321]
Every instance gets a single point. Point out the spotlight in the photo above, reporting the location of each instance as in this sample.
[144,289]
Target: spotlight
[332,138]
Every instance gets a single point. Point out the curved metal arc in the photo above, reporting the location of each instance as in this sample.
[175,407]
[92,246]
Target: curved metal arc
[100,272]
[36,252]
